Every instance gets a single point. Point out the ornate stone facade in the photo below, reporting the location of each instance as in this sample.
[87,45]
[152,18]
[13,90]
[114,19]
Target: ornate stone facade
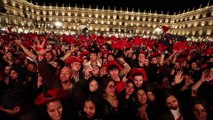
[27,17]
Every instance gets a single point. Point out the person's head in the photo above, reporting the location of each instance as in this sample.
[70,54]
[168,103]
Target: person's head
[103,70]
[199,109]
[141,96]
[177,65]
[54,52]
[210,60]
[171,100]
[130,88]
[26,61]
[7,69]
[94,53]
[138,79]
[108,87]
[100,60]
[183,64]
[14,74]
[31,67]
[154,60]
[9,55]
[85,60]
[150,92]
[50,101]
[65,74]
[134,56]
[141,57]
[76,66]
[146,62]
[110,57]
[18,61]
[189,57]
[75,63]
[91,106]
[49,56]
[96,71]
[58,64]
[93,84]
[93,56]
[189,77]
[194,65]
[54,109]
[113,71]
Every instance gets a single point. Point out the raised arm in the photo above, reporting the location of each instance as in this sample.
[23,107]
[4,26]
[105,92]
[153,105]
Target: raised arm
[206,76]
[126,66]
[170,57]
[68,54]
[26,51]
[45,69]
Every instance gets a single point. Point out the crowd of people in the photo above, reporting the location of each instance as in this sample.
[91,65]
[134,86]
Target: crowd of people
[95,77]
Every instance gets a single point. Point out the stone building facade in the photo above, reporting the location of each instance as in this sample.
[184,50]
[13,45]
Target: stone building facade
[24,16]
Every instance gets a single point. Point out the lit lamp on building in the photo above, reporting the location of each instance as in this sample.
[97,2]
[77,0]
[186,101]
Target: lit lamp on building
[157,32]
[58,24]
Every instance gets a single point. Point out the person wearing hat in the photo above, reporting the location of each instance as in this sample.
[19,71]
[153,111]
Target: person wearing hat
[138,75]
[65,81]
[51,106]
[75,65]
[114,71]
[42,53]
[122,65]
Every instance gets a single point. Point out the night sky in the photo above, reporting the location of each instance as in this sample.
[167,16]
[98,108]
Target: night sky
[153,5]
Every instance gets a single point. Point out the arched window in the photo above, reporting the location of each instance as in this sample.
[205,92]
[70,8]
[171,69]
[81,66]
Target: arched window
[208,14]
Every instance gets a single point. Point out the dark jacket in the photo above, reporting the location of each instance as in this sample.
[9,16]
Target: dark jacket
[108,112]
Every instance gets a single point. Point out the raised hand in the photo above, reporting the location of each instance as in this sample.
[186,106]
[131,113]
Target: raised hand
[6,48]
[142,112]
[124,79]
[40,47]
[87,72]
[194,93]
[178,77]
[189,81]
[121,60]
[207,75]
